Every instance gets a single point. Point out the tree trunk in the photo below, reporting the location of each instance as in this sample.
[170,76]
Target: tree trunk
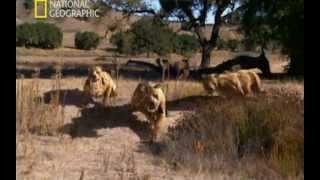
[206,54]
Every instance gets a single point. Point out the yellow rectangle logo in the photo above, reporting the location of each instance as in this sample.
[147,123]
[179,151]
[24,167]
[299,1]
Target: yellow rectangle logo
[40,9]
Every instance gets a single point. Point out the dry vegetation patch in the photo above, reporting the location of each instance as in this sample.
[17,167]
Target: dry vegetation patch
[265,133]
[33,115]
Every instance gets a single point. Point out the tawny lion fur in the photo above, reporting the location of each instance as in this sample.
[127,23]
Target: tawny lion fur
[151,101]
[225,84]
[99,84]
[240,83]
[250,81]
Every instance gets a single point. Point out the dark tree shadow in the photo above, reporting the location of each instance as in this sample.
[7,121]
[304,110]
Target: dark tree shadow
[74,97]
[113,116]
[99,117]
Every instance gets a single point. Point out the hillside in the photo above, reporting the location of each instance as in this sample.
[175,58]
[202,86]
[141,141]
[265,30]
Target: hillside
[70,25]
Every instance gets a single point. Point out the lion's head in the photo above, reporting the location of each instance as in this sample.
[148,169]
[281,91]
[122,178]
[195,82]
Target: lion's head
[95,73]
[100,83]
[209,82]
[148,98]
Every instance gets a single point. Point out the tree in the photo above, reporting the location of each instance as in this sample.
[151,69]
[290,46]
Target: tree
[41,35]
[185,44]
[193,13]
[145,36]
[281,21]
[152,36]
[186,11]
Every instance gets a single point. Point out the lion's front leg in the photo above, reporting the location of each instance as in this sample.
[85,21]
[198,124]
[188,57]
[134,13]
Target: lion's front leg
[106,97]
[158,127]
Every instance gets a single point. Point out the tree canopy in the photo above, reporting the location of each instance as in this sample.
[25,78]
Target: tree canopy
[262,21]
[281,21]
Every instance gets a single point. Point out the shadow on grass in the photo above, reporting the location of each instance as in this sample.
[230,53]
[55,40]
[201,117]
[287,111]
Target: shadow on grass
[67,97]
[99,117]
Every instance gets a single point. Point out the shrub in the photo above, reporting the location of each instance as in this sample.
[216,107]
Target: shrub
[230,44]
[123,42]
[145,36]
[152,36]
[185,44]
[270,130]
[40,35]
[87,40]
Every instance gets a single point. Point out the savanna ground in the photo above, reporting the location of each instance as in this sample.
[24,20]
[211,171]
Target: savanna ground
[58,139]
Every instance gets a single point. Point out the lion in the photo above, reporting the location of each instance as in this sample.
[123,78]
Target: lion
[225,84]
[250,81]
[151,101]
[182,69]
[99,84]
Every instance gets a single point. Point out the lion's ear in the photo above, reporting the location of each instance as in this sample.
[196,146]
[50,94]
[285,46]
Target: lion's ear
[162,86]
[158,85]
[161,109]
[143,88]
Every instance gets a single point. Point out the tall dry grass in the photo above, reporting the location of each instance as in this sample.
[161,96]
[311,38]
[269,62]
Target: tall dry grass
[33,115]
[258,137]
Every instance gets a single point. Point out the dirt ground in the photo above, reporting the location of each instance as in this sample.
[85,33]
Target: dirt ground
[71,56]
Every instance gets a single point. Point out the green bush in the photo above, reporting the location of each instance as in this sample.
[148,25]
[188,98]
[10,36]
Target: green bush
[145,36]
[41,35]
[230,44]
[150,36]
[185,44]
[87,40]
[123,42]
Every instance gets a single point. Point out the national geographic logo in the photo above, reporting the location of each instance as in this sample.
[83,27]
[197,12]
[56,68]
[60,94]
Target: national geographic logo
[40,9]
[63,8]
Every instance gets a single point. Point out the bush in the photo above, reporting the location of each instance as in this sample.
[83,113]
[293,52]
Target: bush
[87,40]
[123,42]
[145,36]
[185,44]
[41,35]
[220,133]
[230,44]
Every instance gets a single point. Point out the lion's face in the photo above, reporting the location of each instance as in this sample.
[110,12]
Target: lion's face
[153,99]
[95,74]
[100,83]
[210,82]
[148,97]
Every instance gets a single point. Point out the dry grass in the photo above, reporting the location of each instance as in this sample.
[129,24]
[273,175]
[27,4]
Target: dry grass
[60,52]
[32,114]
[259,137]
